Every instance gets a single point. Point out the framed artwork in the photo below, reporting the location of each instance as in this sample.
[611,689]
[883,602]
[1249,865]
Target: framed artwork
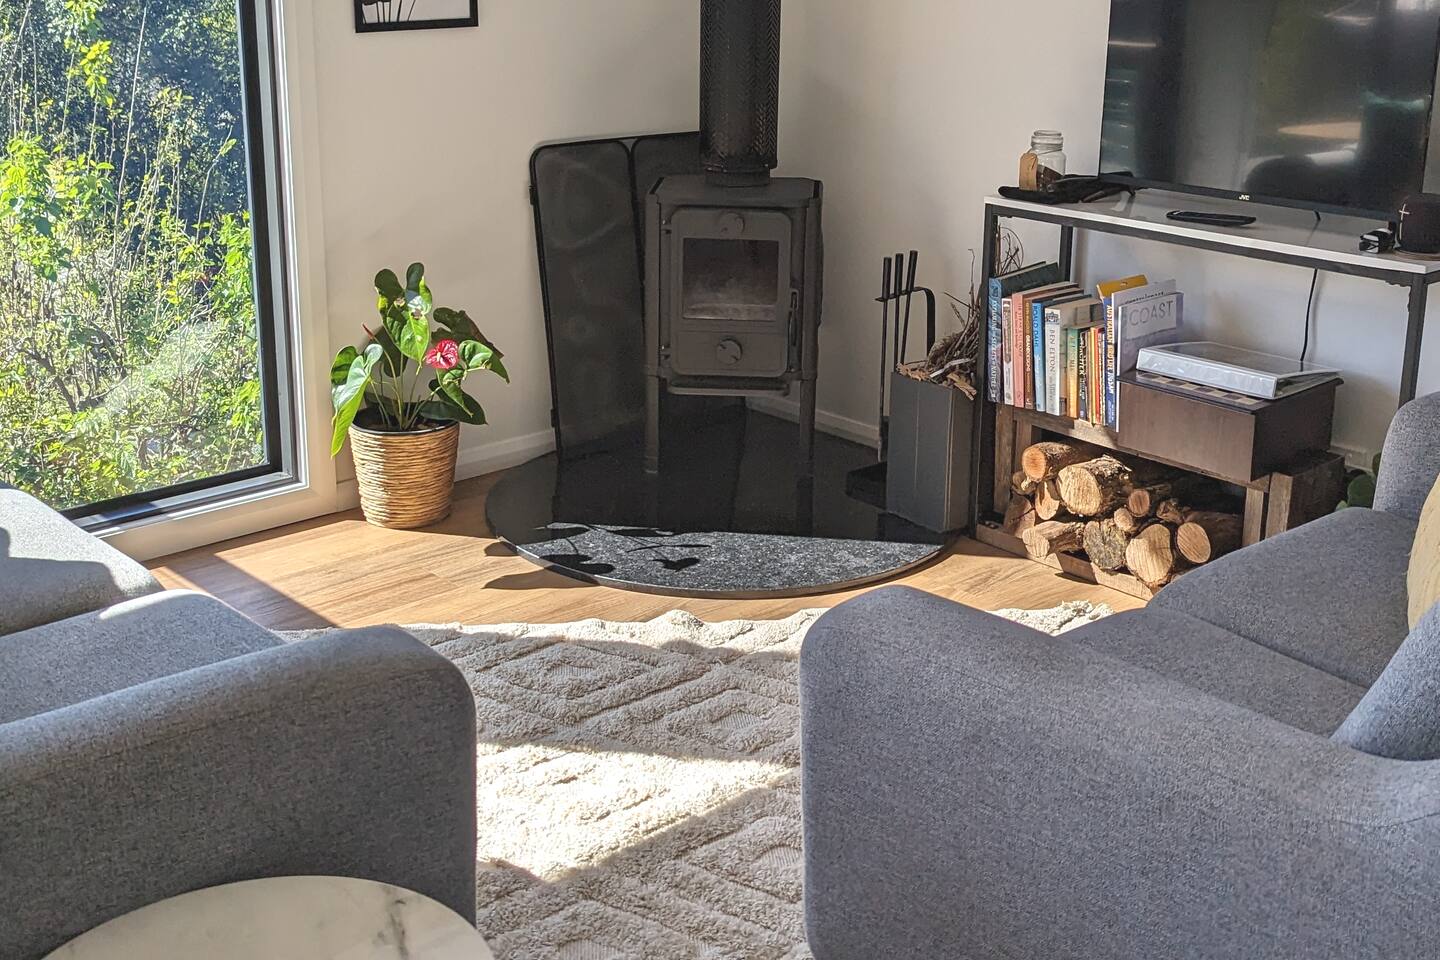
[376,16]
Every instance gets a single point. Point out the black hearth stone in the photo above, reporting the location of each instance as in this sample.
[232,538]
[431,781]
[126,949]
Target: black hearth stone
[723,519]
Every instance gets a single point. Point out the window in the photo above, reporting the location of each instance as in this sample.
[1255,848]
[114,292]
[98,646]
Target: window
[138,323]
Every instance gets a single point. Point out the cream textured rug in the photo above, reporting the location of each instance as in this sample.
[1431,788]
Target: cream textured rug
[639,790]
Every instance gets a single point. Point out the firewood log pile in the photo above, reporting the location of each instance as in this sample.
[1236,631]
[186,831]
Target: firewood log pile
[1124,514]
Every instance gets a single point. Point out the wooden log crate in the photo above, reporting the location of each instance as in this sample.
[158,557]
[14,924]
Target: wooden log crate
[1075,497]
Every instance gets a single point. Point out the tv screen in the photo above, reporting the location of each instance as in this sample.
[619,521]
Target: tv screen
[1324,104]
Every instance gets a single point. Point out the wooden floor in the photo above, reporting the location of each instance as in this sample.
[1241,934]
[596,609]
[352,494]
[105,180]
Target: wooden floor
[339,571]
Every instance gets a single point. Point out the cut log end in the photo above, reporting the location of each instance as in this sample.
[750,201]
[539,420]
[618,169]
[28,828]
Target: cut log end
[1151,556]
[1127,521]
[1019,517]
[1105,544]
[1171,512]
[1048,504]
[1044,461]
[1205,537]
[1095,487]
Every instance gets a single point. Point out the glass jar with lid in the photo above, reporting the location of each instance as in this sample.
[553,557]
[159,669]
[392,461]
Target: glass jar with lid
[1048,147]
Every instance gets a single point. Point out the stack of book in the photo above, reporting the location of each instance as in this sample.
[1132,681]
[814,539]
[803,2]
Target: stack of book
[1056,348]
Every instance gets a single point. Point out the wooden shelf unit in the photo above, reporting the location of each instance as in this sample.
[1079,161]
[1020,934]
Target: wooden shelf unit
[1016,429]
[1277,497]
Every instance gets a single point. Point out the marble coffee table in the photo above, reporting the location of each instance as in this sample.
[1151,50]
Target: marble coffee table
[286,918]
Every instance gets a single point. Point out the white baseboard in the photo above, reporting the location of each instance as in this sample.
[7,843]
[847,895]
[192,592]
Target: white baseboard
[477,461]
[865,434]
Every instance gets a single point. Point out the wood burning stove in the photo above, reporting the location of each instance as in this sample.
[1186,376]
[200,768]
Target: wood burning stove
[734,257]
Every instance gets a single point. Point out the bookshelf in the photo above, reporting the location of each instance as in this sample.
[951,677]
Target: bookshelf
[1284,236]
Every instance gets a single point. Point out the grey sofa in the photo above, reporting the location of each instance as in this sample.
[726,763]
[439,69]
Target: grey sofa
[154,743]
[1163,784]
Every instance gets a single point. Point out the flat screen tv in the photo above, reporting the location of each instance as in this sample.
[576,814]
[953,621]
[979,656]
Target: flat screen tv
[1321,104]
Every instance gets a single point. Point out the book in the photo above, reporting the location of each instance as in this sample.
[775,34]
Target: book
[1106,291]
[1001,288]
[1023,337]
[1150,322]
[1118,302]
[1072,372]
[1038,309]
[1097,375]
[1059,316]
[1082,373]
[1007,333]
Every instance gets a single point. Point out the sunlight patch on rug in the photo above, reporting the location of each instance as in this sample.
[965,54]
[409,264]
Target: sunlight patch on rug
[639,784]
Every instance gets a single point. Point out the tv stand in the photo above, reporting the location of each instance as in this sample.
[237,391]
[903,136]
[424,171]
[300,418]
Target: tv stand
[1287,236]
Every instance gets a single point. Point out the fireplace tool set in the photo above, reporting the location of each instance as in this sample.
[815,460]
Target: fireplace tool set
[925,425]
[898,288]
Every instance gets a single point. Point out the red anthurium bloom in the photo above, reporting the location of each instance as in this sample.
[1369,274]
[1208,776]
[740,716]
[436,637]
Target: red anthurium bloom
[445,355]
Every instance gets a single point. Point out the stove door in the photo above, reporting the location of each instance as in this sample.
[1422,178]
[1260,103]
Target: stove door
[730,295]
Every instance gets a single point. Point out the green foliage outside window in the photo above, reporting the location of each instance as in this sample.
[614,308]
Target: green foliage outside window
[128,351]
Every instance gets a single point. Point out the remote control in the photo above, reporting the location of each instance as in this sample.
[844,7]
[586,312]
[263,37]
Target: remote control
[1210,219]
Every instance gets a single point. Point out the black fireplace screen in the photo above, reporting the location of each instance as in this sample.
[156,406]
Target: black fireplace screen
[588,196]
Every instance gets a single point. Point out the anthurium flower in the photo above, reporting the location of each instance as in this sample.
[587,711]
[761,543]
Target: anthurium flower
[445,355]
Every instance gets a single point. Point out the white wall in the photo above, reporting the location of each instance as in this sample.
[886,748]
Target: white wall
[426,139]
[912,111]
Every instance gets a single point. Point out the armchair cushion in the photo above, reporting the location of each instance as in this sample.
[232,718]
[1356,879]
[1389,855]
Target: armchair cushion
[60,664]
[1411,461]
[351,754]
[1399,717]
[973,789]
[1179,647]
[1330,594]
[50,569]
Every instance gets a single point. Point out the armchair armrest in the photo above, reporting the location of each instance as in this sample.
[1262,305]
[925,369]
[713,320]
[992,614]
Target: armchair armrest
[1411,460]
[973,788]
[352,754]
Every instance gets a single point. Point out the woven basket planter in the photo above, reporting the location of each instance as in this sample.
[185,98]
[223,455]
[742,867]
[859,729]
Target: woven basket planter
[407,479]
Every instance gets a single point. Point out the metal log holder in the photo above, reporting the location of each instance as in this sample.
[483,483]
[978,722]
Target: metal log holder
[898,286]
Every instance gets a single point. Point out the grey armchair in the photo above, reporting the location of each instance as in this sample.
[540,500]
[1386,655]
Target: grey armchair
[165,743]
[1160,784]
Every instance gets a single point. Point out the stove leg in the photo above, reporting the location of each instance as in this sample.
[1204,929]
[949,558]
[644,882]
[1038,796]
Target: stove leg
[652,426]
[807,430]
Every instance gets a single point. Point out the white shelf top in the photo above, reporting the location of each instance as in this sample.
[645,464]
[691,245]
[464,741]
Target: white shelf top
[1278,230]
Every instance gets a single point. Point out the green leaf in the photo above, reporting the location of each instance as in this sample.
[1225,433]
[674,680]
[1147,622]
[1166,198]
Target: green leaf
[459,404]
[1362,491]
[1375,466]
[350,395]
[417,291]
[458,322]
[393,356]
[437,411]
[388,286]
[340,369]
[412,335]
[475,355]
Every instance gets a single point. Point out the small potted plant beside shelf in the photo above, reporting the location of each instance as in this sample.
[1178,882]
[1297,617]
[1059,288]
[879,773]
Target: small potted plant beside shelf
[400,399]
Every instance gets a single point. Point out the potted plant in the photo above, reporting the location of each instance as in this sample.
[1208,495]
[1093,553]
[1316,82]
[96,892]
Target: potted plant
[400,400]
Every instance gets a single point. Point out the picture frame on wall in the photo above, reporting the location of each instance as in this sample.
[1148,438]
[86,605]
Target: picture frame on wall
[379,16]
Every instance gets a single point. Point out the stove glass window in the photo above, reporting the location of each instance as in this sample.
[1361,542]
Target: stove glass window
[737,280]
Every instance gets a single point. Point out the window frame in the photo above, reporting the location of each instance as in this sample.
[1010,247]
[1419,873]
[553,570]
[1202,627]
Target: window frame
[261,98]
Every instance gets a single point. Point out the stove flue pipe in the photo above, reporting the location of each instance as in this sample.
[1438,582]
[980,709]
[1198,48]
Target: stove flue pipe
[739,89]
